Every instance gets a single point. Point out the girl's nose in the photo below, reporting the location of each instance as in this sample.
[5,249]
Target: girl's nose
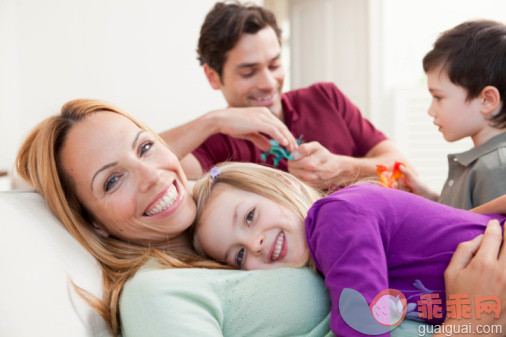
[257,246]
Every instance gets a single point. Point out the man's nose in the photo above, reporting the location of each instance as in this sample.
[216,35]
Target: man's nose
[267,81]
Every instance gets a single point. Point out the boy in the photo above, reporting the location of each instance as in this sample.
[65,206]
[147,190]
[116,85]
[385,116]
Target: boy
[466,73]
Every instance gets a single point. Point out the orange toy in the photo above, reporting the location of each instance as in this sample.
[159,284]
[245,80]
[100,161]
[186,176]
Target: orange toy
[385,178]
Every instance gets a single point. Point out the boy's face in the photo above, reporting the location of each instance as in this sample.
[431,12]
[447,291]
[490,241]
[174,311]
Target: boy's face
[248,231]
[453,114]
[253,74]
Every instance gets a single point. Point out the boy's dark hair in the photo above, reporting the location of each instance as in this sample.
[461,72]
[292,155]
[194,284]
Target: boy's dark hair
[474,55]
[224,26]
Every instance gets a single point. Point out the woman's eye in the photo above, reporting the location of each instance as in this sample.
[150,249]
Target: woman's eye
[145,147]
[239,260]
[109,183]
[249,217]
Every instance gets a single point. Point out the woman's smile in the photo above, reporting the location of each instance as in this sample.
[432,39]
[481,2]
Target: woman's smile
[166,202]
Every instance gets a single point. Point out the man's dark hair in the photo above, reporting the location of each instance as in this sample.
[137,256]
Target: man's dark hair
[224,26]
[473,54]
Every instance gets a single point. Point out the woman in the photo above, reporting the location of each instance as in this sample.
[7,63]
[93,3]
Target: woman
[122,194]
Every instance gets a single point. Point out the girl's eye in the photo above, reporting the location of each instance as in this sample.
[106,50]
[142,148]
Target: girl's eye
[239,260]
[249,216]
[145,147]
[109,183]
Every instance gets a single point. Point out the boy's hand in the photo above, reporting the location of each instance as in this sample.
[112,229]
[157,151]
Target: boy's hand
[411,182]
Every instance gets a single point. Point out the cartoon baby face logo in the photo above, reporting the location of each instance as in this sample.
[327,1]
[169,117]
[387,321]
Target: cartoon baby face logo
[386,311]
[389,307]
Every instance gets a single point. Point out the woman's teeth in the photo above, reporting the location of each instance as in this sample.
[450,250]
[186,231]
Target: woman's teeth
[279,245]
[165,201]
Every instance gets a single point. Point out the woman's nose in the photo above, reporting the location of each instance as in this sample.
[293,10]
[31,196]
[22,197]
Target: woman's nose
[147,176]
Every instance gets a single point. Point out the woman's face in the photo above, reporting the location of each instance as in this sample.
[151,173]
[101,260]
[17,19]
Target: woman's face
[133,186]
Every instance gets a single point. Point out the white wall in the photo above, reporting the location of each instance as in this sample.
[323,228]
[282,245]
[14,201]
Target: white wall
[407,30]
[137,54]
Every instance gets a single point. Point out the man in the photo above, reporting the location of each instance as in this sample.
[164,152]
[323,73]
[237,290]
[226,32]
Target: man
[239,48]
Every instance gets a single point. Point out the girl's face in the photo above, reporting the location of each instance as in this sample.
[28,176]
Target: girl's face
[132,185]
[248,231]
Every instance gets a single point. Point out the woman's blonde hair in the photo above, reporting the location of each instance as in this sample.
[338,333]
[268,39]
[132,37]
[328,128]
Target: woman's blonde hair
[278,186]
[38,162]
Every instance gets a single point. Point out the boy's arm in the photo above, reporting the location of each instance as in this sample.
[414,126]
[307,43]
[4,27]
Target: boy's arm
[411,182]
[496,206]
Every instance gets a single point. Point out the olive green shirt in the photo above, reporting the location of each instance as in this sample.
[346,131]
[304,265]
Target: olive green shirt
[476,176]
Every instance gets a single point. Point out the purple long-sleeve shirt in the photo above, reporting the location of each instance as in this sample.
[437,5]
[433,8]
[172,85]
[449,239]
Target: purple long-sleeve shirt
[370,238]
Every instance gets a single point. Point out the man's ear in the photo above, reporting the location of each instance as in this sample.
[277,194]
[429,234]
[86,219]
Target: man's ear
[100,230]
[490,100]
[212,76]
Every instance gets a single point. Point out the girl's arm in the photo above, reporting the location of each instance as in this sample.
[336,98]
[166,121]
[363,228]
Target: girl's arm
[496,206]
[352,259]
[478,269]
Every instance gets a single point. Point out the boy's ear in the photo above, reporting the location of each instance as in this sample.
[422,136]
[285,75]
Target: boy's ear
[490,100]
[212,76]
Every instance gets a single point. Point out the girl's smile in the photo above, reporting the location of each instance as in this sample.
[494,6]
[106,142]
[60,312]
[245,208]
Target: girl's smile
[249,231]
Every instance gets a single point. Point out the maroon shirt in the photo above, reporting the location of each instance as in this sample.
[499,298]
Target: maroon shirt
[319,113]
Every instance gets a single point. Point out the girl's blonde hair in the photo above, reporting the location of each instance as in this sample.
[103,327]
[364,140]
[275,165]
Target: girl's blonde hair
[278,186]
[38,162]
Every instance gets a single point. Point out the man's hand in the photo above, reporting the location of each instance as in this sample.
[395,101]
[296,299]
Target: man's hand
[251,124]
[320,168]
[478,269]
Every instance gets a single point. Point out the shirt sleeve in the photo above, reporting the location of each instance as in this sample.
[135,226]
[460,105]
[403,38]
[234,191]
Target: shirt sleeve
[151,306]
[219,148]
[489,184]
[363,132]
[348,247]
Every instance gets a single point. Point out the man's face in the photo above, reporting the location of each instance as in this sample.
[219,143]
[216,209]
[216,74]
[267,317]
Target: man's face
[253,74]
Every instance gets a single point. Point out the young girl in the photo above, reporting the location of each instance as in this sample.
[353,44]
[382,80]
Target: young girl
[363,237]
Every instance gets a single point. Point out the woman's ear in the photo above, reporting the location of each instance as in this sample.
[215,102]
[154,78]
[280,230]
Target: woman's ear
[490,100]
[99,230]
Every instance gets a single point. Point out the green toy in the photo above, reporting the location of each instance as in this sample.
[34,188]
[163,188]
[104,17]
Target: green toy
[278,152]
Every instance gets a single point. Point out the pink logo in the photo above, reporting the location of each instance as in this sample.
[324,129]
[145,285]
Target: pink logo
[389,307]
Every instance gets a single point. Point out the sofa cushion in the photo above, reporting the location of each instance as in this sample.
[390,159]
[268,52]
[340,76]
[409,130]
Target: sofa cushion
[39,257]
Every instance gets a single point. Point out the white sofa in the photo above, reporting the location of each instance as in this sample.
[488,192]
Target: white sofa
[39,257]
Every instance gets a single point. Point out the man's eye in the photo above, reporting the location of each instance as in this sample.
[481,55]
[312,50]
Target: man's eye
[145,147]
[249,217]
[248,74]
[239,260]
[109,183]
